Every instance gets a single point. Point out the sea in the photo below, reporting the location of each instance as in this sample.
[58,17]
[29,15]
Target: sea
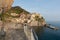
[49,34]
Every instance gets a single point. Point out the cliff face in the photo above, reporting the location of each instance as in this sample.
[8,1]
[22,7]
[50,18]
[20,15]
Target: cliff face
[19,15]
[14,20]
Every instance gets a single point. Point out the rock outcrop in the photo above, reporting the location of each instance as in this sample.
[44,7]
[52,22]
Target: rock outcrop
[6,4]
[14,20]
[19,15]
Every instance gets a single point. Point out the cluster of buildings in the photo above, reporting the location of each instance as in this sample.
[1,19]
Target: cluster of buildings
[27,18]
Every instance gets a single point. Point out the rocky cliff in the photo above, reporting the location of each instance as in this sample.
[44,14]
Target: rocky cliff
[6,4]
[19,15]
[14,19]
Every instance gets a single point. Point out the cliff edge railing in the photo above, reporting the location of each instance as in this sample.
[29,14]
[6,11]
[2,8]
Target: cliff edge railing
[30,33]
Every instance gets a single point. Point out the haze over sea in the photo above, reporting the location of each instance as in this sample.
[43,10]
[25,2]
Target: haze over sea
[49,34]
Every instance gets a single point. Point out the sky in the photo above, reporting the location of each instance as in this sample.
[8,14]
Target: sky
[49,9]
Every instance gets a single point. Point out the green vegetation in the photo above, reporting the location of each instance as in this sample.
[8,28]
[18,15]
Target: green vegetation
[17,10]
[39,19]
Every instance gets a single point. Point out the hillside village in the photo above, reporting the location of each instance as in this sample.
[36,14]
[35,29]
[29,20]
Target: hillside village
[14,19]
[19,15]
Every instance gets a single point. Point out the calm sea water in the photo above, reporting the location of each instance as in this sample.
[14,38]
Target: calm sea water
[49,34]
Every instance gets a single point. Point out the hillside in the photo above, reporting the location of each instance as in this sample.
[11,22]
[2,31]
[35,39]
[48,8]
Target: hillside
[14,12]
[17,10]
[18,13]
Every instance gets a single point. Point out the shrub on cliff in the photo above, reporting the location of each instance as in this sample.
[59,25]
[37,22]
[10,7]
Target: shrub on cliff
[17,10]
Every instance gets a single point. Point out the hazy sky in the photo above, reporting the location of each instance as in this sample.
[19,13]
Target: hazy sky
[49,9]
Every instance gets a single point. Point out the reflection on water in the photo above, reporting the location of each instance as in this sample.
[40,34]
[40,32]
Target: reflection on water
[49,34]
